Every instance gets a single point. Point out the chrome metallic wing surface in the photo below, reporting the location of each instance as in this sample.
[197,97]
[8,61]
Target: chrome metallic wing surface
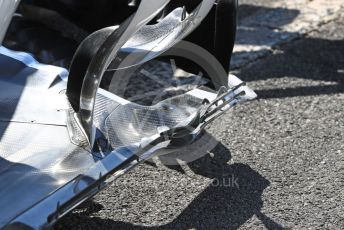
[55,153]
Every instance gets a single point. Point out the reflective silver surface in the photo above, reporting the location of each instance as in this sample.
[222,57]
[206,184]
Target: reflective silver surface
[36,155]
[7,8]
[45,168]
[43,173]
[147,42]
[147,10]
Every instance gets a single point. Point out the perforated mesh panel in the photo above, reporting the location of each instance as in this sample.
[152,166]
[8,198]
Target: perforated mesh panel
[128,124]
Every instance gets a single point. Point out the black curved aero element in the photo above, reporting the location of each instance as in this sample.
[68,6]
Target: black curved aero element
[225,31]
[142,47]
[216,35]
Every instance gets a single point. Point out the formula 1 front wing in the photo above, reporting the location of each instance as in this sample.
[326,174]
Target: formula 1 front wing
[64,139]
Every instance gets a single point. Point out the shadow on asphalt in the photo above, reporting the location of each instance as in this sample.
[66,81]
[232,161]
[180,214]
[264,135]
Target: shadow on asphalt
[263,20]
[281,16]
[234,196]
[310,59]
[224,204]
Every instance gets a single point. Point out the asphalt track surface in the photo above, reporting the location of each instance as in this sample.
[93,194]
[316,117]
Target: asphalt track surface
[279,162]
